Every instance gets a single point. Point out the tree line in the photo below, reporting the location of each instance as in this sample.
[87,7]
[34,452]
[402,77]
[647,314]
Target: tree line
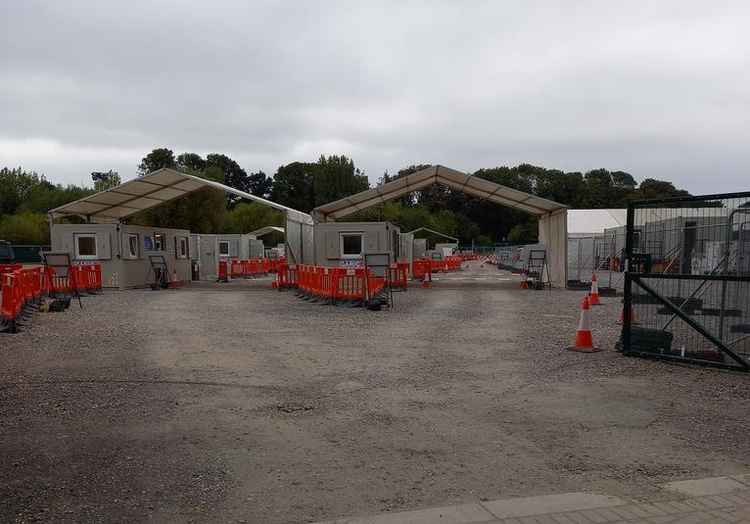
[25,197]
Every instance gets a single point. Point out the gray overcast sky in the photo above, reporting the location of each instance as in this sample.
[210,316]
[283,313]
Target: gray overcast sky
[659,89]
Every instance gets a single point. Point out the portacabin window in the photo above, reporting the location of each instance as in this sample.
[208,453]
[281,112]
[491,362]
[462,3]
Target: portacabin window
[133,245]
[224,248]
[159,242]
[180,247]
[148,243]
[85,246]
[351,245]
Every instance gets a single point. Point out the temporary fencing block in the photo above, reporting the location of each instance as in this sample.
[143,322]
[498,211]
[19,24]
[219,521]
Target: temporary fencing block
[24,288]
[334,285]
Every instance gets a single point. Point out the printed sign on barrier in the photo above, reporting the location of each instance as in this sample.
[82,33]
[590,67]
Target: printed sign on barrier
[350,262]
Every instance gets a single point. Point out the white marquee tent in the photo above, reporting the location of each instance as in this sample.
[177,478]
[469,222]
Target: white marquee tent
[163,185]
[552,215]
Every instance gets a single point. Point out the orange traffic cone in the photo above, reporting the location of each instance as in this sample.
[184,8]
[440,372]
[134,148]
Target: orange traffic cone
[594,295]
[584,342]
[427,279]
[173,283]
[525,281]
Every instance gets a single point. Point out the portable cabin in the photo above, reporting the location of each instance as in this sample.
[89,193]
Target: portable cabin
[420,247]
[211,248]
[346,243]
[446,248]
[587,241]
[123,250]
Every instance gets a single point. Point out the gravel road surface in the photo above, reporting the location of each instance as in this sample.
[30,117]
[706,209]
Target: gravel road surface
[236,403]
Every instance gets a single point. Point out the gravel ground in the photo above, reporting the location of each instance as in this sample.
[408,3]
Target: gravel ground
[231,403]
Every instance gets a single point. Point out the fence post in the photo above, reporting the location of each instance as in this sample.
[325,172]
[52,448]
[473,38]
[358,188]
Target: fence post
[628,284]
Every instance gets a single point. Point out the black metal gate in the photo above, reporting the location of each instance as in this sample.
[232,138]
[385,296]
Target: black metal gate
[687,284]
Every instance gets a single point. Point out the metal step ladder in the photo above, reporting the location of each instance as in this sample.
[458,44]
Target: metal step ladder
[537,269]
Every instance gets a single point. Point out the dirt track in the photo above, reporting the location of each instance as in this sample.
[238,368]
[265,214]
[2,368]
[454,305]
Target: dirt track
[238,403]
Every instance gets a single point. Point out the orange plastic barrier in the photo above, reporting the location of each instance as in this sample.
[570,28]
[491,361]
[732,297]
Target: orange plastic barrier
[248,268]
[333,284]
[8,268]
[235,269]
[223,271]
[453,263]
[286,276]
[421,268]
[22,288]
[397,275]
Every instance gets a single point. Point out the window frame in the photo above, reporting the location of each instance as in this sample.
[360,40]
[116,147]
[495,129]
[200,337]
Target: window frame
[226,243]
[160,241]
[179,244]
[130,237]
[79,256]
[361,236]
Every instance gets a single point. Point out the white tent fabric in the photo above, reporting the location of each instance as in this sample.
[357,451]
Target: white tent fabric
[552,215]
[553,233]
[265,230]
[467,183]
[438,233]
[154,189]
[588,221]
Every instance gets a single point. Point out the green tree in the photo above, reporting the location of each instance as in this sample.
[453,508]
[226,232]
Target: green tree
[46,196]
[203,211]
[623,179]
[652,188]
[16,185]
[293,186]
[335,178]
[191,163]
[260,184]
[105,180]
[249,216]
[234,175]
[25,228]
[156,159]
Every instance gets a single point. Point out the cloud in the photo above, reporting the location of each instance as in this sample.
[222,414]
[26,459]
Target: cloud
[658,89]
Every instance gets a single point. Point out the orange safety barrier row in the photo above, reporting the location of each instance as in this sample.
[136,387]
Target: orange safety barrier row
[7,268]
[286,277]
[248,268]
[334,284]
[450,263]
[21,289]
[398,275]
[421,269]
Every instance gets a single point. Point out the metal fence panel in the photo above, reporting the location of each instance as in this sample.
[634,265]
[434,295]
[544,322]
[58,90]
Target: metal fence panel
[688,280]
[29,253]
[580,260]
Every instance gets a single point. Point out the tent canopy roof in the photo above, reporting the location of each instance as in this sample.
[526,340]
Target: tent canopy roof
[154,189]
[587,221]
[467,183]
[438,233]
[268,229]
